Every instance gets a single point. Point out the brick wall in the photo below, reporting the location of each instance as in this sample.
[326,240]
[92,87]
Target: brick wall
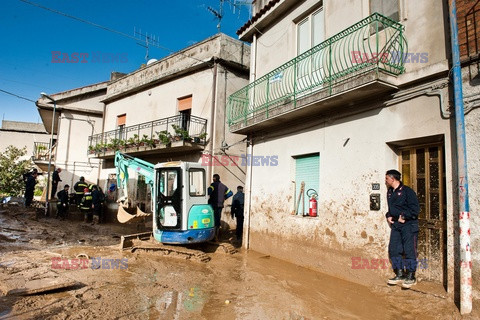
[468,18]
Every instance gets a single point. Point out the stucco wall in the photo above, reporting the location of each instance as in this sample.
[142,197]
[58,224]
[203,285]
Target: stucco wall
[22,139]
[345,226]
[423,21]
[72,145]
[471,90]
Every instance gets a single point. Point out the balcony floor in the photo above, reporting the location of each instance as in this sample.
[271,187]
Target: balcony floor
[175,147]
[345,94]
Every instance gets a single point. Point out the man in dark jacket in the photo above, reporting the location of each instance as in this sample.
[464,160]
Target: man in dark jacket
[30,188]
[97,203]
[62,203]
[402,217]
[55,180]
[218,193]
[237,210]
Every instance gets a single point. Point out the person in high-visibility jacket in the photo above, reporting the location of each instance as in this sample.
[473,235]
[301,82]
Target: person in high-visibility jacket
[218,193]
[86,205]
[79,188]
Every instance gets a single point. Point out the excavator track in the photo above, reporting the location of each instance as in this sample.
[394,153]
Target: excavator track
[144,242]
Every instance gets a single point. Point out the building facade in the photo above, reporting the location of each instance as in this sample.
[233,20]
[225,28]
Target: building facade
[78,115]
[340,92]
[174,109]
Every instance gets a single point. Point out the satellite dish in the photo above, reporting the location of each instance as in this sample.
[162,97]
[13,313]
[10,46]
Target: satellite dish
[149,62]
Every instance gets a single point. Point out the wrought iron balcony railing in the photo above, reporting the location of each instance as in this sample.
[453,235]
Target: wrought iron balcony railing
[152,134]
[41,151]
[376,43]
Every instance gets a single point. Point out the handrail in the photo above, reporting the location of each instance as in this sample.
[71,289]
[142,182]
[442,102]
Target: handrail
[374,43]
[160,131]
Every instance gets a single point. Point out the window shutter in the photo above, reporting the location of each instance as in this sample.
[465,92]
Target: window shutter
[307,169]
[121,119]
[185,103]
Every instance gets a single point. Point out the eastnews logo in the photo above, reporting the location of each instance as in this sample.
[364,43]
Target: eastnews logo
[389,57]
[361,263]
[243,160]
[85,57]
[93,263]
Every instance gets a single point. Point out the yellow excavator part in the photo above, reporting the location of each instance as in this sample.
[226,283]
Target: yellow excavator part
[130,215]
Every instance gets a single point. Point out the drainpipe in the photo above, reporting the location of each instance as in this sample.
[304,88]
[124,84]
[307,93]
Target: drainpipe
[212,119]
[464,210]
[248,191]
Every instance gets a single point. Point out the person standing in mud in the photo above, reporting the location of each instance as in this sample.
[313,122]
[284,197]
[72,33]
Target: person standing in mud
[402,217]
[62,203]
[55,180]
[218,193]
[86,205]
[30,188]
[79,188]
[97,203]
[237,210]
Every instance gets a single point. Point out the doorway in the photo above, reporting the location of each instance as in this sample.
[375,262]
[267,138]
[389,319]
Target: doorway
[423,169]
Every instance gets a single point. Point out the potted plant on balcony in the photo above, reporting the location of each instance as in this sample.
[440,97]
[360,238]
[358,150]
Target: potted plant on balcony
[91,149]
[164,137]
[181,134]
[133,141]
[202,136]
[41,152]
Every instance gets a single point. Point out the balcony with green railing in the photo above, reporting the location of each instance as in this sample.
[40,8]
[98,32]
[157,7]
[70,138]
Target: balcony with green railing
[357,63]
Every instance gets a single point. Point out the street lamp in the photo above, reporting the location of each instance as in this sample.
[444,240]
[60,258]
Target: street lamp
[50,153]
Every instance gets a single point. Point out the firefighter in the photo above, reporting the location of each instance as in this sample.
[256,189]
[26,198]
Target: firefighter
[86,205]
[402,217]
[237,211]
[79,188]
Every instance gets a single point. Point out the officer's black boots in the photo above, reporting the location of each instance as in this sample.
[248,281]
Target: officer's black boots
[410,280]
[399,277]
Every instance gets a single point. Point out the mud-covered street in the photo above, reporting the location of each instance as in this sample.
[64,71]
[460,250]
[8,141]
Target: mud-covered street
[38,253]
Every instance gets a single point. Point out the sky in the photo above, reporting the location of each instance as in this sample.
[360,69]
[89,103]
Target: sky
[35,41]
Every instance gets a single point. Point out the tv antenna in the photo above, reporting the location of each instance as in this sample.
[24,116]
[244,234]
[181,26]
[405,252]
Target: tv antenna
[235,5]
[146,40]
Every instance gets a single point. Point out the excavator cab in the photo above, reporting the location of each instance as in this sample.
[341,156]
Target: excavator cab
[181,213]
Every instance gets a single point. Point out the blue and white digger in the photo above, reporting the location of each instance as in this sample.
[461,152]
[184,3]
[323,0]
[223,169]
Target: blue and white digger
[181,214]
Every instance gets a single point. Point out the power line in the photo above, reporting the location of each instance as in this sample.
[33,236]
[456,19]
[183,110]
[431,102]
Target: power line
[16,95]
[101,27]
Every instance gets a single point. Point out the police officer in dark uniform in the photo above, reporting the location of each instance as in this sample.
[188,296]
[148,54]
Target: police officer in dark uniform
[402,217]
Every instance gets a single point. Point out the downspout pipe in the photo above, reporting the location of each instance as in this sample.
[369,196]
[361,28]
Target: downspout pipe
[213,110]
[464,208]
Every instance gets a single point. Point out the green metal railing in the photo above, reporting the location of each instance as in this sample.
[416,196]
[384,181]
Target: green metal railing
[375,43]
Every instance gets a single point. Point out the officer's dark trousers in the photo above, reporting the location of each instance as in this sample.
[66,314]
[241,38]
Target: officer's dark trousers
[403,240]
[239,230]
[217,212]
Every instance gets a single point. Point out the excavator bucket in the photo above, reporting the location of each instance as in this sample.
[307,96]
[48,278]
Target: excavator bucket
[130,215]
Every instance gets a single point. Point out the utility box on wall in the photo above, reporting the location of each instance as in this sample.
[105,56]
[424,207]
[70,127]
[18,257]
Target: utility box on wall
[375,201]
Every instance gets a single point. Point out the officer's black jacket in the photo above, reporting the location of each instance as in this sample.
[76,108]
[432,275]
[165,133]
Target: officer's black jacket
[402,201]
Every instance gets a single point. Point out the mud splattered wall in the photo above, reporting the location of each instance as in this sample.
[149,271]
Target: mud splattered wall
[353,154]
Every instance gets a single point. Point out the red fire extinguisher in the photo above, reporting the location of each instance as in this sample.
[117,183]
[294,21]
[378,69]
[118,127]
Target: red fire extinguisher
[312,211]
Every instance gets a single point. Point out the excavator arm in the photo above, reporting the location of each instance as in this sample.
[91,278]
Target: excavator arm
[124,162]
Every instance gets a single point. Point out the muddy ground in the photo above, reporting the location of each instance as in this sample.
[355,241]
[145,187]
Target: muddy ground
[148,285]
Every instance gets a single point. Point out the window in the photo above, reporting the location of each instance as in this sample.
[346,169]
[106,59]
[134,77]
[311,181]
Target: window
[196,178]
[310,31]
[121,120]
[185,110]
[169,198]
[307,170]
[388,8]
